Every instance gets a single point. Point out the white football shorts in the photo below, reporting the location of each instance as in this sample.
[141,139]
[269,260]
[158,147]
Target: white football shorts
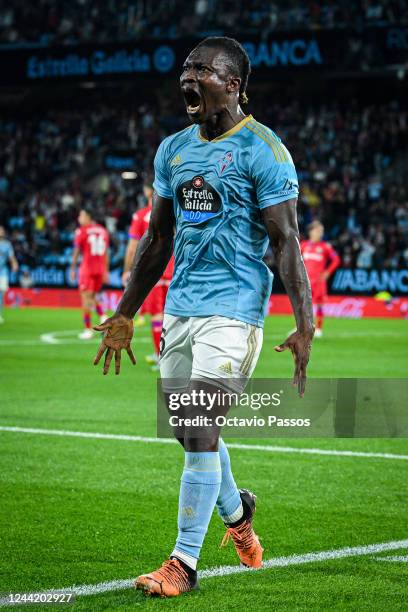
[4,284]
[214,348]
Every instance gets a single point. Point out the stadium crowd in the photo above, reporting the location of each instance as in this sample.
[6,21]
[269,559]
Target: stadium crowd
[53,163]
[80,21]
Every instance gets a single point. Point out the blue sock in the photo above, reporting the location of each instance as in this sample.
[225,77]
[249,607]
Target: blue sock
[200,484]
[1,301]
[229,504]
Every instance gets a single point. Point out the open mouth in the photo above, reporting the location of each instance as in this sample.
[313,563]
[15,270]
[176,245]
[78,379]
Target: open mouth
[192,100]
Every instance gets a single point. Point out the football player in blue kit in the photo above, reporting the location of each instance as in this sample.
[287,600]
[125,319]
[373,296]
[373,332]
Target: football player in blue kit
[225,187]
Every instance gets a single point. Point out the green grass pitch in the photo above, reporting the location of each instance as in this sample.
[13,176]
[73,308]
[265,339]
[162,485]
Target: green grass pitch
[83,511]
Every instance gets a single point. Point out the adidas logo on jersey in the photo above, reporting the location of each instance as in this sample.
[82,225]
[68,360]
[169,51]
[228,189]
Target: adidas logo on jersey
[176,160]
[226,367]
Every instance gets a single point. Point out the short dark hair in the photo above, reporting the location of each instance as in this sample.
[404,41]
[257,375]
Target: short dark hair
[237,56]
[89,210]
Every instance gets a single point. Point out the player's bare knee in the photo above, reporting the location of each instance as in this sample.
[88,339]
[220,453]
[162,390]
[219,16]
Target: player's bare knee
[205,443]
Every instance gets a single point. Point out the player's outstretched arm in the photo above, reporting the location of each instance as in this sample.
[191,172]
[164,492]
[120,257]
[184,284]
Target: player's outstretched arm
[281,223]
[153,254]
[74,263]
[335,262]
[129,257]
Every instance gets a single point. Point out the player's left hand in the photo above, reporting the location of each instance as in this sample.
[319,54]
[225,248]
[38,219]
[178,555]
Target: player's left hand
[118,332]
[324,276]
[300,344]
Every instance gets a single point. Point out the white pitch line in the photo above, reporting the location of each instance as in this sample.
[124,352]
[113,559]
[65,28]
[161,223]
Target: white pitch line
[394,558]
[227,570]
[253,447]
[319,451]
[57,342]
[62,338]
[21,343]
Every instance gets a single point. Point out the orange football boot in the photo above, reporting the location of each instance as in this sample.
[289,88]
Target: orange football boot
[245,540]
[170,580]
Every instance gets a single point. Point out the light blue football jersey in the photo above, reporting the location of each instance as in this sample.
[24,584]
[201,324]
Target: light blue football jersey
[218,189]
[6,253]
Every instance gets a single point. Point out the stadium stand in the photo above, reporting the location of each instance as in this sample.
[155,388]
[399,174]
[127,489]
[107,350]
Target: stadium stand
[55,157]
[79,21]
[53,163]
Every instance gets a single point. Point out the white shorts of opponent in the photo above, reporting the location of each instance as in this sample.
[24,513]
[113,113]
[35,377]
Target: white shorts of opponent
[214,349]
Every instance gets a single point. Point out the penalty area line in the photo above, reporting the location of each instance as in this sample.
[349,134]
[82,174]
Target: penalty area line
[227,570]
[253,447]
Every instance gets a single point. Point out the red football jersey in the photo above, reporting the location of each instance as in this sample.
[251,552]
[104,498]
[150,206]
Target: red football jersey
[93,242]
[140,222]
[319,257]
[138,227]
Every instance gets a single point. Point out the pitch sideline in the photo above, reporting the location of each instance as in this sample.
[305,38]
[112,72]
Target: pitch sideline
[253,447]
[227,570]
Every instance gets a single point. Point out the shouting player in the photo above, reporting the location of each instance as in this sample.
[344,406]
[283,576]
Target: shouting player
[227,185]
[154,303]
[7,258]
[321,260]
[92,242]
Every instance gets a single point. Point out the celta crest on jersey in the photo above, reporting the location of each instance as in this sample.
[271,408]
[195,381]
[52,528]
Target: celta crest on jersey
[198,200]
[225,161]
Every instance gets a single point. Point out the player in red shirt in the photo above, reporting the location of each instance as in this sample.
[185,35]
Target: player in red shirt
[154,303]
[321,260]
[92,242]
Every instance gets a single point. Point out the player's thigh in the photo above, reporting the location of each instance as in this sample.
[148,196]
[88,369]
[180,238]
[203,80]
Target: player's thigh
[158,299]
[175,353]
[319,292]
[152,303]
[225,350]
[4,285]
[84,281]
[87,299]
[96,283]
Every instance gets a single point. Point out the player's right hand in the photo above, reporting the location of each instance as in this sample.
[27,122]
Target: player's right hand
[118,332]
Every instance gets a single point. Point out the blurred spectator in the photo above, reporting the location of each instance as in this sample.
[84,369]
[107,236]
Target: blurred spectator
[55,162]
[365,255]
[80,21]
[26,281]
